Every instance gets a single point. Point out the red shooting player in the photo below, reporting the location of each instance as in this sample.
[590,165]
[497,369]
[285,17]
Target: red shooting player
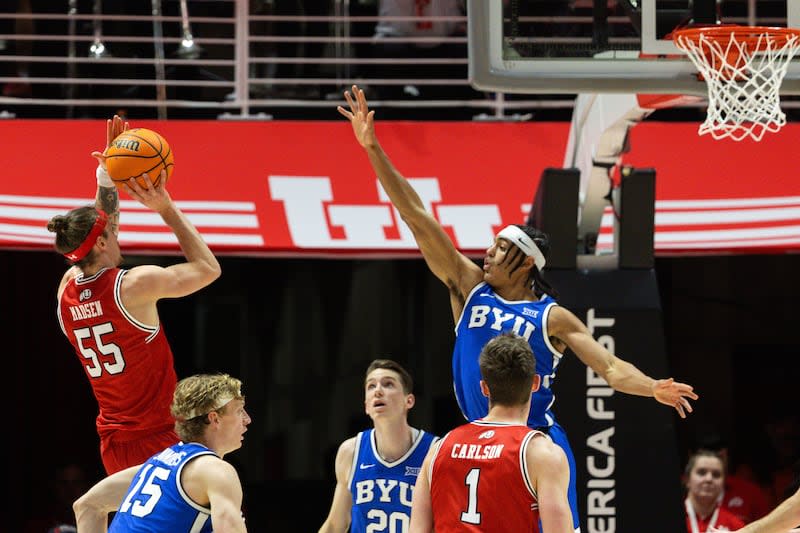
[109,314]
[495,474]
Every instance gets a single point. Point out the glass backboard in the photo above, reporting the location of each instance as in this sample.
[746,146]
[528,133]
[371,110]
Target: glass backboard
[613,46]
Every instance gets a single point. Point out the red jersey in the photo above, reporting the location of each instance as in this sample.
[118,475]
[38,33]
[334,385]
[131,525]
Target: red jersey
[479,482]
[721,518]
[129,364]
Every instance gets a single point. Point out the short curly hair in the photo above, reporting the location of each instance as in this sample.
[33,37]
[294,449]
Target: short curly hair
[198,395]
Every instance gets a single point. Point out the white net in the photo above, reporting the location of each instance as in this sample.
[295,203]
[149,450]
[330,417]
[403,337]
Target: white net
[744,69]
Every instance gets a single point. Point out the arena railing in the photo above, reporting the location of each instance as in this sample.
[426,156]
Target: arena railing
[224,59]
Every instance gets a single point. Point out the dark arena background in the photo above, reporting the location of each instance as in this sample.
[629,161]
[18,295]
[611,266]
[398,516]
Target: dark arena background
[301,333]
[678,251]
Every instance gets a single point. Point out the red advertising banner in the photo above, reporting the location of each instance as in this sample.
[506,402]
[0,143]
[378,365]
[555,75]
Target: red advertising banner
[306,188]
[718,196]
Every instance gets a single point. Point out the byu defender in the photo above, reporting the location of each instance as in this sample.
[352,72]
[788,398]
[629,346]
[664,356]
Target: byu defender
[507,294]
[188,486]
[377,469]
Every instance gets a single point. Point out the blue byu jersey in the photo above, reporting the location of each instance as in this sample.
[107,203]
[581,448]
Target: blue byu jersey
[485,316]
[156,501]
[382,491]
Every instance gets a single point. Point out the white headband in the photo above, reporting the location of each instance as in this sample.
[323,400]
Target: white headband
[221,402]
[525,243]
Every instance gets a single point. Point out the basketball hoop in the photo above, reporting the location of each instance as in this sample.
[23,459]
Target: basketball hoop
[744,67]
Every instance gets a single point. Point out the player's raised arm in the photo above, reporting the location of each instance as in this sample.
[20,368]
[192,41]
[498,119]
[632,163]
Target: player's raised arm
[107,198]
[149,282]
[444,260]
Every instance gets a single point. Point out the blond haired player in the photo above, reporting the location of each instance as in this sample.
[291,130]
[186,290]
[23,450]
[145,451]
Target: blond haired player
[187,486]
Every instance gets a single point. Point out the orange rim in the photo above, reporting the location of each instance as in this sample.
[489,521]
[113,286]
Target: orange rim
[753,36]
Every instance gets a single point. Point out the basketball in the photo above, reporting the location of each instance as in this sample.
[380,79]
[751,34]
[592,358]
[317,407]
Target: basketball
[135,152]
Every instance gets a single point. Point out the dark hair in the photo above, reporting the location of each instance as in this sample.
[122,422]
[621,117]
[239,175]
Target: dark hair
[71,230]
[508,367]
[405,378]
[703,453]
[540,285]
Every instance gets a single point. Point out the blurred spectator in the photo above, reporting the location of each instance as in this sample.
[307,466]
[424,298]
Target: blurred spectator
[742,497]
[390,44]
[69,481]
[704,479]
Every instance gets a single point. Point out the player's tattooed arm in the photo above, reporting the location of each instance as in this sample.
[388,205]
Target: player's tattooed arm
[107,197]
[108,200]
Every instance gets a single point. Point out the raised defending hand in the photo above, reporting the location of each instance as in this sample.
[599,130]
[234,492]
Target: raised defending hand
[114,127]
[362,119]
[677,395]
[155,197]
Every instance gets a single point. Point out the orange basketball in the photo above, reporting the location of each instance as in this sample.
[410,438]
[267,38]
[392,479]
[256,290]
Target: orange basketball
[135,152]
